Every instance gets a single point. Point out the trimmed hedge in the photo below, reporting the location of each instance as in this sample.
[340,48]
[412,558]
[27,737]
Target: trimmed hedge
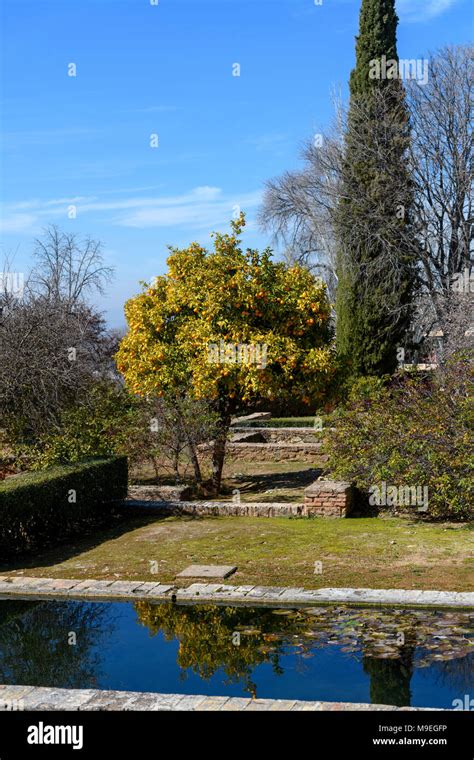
[39,508]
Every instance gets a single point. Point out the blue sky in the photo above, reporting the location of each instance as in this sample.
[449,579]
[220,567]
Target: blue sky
[166,69]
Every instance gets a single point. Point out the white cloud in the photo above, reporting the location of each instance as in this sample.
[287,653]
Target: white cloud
[17,223]
[202,207]
[422,10]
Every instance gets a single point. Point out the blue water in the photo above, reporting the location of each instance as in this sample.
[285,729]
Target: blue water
[193,650]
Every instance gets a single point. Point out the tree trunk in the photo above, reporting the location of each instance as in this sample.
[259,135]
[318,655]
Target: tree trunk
[192,450]
[155,467]
[218,453]
[195,463]
[176,465]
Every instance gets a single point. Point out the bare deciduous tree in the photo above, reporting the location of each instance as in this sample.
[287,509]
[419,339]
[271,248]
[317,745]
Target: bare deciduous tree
[299,206]
[53,345]
[442,158]
[443,173]
[177,426]
[67,268]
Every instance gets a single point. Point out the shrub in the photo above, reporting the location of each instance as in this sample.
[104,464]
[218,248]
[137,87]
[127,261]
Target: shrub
[366,388]
[416,432]
[38,508]
[100,427]
[163,432]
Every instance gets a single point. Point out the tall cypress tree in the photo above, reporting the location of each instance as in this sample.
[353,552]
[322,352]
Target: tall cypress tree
[376,251]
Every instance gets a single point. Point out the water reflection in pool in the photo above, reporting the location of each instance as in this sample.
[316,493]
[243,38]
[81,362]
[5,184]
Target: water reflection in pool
[398,657]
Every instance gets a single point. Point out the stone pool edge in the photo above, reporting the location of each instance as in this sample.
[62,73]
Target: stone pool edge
[217,593]
[31,698]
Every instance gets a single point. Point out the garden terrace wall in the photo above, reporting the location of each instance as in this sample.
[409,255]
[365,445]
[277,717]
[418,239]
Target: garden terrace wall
[283,435]
[39,508]
[271,452]
[212,508]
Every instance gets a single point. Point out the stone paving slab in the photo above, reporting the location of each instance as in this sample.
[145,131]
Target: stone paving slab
[282,704]
[189,702]
[236,704]
[152,589]
[21,587]
[43,698]
[34,698]
[206,590]
[213,703]
[64,585]
[207,571]
[13,697]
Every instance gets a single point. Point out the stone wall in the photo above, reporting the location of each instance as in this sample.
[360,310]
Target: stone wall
[214,508]
[159,493]
[271,452]
[328,498]
[283,435]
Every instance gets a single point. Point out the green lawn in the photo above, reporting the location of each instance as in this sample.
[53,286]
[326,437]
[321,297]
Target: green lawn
[364,552]
[281,422]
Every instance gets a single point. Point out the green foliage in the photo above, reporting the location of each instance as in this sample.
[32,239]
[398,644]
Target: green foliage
[231,327]
[101,427]
[365,388]
[376,250]
[229,297]
[38,508]
[36,651]
[415,432]
[164,432]
[377,36]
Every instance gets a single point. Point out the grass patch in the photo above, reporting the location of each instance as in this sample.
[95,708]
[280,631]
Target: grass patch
[280,422]
[364,552]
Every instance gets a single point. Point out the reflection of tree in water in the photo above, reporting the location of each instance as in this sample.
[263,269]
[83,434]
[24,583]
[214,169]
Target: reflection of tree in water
[440,641]
[34,646]
[207,638]
[452,660]
[385,641]
[391,668]
[458,674]
[390,678]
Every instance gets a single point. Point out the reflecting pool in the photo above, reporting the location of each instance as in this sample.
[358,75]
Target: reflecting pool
[337,653]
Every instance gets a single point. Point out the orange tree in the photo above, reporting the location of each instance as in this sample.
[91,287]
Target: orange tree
[229,326]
